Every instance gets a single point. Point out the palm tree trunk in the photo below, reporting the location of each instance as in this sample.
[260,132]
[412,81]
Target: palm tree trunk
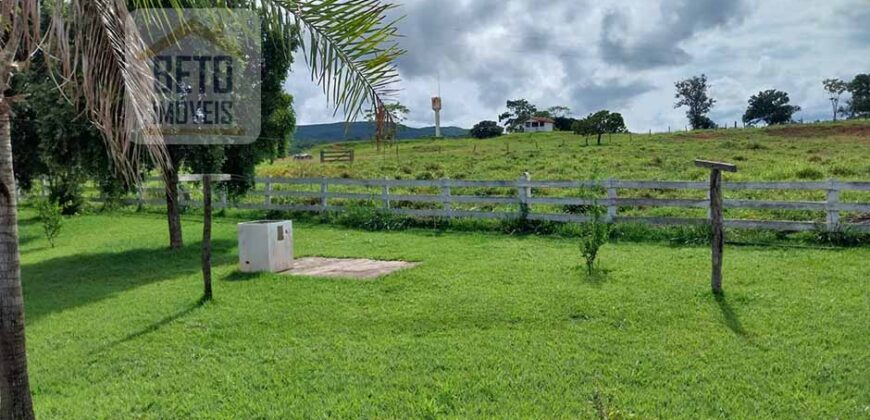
[173,210]
[15,398]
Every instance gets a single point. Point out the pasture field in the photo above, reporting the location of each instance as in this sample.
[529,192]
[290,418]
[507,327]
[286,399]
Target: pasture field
[487,326]
[800,152]
[792,153]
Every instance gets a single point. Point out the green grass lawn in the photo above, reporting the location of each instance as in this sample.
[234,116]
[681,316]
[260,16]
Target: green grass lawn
[487,326]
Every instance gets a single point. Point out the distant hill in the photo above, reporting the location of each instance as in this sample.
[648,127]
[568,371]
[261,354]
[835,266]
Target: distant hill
[307,136]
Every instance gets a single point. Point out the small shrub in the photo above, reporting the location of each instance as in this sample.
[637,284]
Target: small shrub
[367,217]
[809,173]
[842,236]
[756,146]
[594,233]
[50,214]
[842,171]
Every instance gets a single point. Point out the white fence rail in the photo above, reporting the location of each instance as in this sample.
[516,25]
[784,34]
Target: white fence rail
[320,198]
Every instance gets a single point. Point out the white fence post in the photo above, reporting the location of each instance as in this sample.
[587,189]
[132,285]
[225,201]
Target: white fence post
[445,198]
[612,208]
[833,201]
[140,194]
[268,192]
[224,201]
[385,191]
[182,195]
[324,191]
[524,192]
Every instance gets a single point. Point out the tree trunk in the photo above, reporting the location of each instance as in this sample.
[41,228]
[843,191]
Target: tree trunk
[173,209]
[599,139]
[206,237]
[15,398]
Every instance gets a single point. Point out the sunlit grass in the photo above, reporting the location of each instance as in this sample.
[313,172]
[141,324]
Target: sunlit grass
[487,326]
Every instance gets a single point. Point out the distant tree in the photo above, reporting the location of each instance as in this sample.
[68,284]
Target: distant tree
[559,111]
[519,111]
[600,123]
[692,93]
[400,112]
[542,114]
[859,104]
[771,106]
[564,123]
[835,89]
[486,129]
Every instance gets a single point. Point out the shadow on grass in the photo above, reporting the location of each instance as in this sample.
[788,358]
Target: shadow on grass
[240,276]
[58,284]
[597,277]
[157,325]
[730,317]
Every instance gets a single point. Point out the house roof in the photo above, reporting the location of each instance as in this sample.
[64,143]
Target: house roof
[542,119]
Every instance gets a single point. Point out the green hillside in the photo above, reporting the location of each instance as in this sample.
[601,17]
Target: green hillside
[807,152]
[307,136]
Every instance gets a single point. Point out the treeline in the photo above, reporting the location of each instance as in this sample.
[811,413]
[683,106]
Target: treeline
[771,107]
[52,140]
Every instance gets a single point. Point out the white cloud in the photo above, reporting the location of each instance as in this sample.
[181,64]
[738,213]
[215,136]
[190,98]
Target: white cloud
[623,55]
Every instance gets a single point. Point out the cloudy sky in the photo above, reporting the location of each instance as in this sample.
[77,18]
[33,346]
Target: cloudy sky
[620,55]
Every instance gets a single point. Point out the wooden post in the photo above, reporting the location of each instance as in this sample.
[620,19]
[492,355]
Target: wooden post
[206,237]
[385,193]
[324,190]
[612,208]
[268,191]
[833,201]
[716,217]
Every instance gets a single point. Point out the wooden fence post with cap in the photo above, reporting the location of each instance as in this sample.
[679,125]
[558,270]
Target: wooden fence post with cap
[716,217]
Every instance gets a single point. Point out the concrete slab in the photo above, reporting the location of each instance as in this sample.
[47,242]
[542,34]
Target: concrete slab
[358,269]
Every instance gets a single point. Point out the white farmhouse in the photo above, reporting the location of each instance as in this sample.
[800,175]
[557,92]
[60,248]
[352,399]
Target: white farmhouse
[538,124]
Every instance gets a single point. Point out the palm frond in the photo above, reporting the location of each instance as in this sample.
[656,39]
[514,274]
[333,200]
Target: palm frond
[86,46]
[350,47]
[19,36]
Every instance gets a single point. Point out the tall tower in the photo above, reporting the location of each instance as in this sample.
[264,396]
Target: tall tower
[436,106]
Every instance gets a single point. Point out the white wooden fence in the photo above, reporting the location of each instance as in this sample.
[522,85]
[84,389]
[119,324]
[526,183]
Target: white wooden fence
[321,197]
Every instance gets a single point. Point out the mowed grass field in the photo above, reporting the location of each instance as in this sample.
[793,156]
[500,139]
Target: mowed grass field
[800,152]
[487,326]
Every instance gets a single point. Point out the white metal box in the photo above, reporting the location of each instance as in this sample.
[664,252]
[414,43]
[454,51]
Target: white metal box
[265,246]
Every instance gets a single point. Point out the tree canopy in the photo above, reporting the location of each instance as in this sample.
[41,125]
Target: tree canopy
[486,129]
[519,111]
[600,123]
[692,93]
[859,105]
[770,106]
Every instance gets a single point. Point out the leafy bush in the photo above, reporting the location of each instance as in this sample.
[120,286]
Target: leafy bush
[594,233]
[486,129]
[809,173]
[50,214]
[842,237]
[367,217]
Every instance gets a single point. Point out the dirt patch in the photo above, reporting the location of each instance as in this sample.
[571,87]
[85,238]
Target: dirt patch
[816,131]
[710,135]
[357,269]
